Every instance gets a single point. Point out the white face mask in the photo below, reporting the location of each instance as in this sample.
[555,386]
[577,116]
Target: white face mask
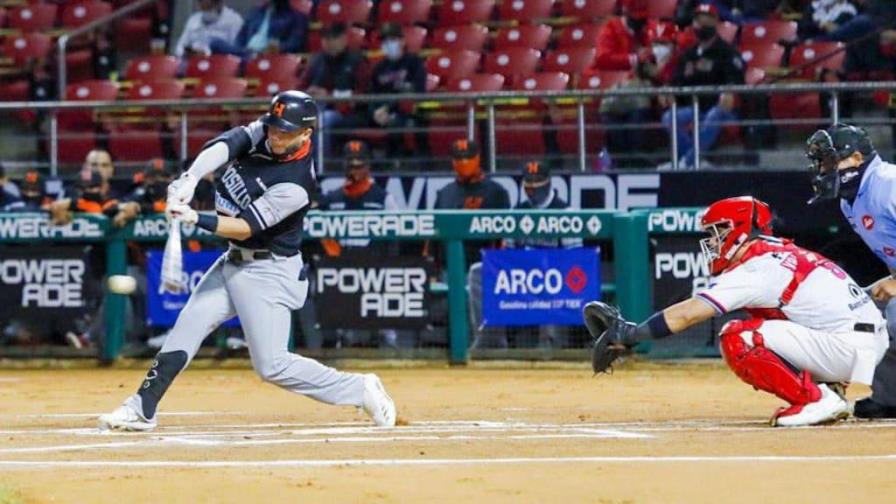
[392,49]
[661,53]
[210,17]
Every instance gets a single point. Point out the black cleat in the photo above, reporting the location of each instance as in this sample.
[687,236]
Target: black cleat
[867,408]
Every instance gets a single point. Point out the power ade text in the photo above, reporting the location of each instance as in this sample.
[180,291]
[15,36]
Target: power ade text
[362,226]
[46,283]
[40,227]
[683,265]
[675,221]
[385,292]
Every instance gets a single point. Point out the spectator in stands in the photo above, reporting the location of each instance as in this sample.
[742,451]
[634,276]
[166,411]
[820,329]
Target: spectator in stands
[399,72]
[149,195]
[88,196]
[712,62]
[34,192]
[825,16]
[99,160]
[10,198]
[622,41]
[864,53]
[213,20]
[336,71]
[733,11]
[472,190]
[274,27]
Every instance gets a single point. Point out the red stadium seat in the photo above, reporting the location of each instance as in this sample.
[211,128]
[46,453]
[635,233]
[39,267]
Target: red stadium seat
[220,87]
[216,65]
[469,37]
[196,139]
[513,63]
[477,83]
[273,67]
[453,64]
[813,57]
[17,90]
[344,11]
[441,133]
[33,17]
[772,30]
[662,9]
[81,13]
[463,12]
[525,11]
[90,90]
[269,86]
[303,6]
[531,36]
[155,67]
[798,106]
[414,38]
[79,65]
[728,31]
[519,138]
[26,47]
[403,12]
[764,56]
[74,145]
[133,34]
[578,36]
[754,76]
[587,10]
[572,60]
[156,90]
[356,38]
[135,145]
[143,140]
[603,79]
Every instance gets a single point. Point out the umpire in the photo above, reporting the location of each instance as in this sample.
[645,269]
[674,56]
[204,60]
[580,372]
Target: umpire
[845,166]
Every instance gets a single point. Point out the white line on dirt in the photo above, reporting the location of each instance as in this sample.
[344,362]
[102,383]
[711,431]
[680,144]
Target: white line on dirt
[50,464]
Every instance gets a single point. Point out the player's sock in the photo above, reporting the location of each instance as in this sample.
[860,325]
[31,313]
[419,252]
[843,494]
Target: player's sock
[163,371]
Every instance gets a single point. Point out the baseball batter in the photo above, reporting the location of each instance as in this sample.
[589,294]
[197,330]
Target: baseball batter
[845,166]
[262,196]
[811,327]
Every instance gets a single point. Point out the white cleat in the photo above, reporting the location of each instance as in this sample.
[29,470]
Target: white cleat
[377,402]
[127,417]
[831,407]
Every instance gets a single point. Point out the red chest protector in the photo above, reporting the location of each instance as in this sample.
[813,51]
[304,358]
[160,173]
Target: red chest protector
[802,262]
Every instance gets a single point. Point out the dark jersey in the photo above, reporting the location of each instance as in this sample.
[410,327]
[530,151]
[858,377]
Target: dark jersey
[272,196]
[375,198]
[405,75]
[486,194]
[718,64]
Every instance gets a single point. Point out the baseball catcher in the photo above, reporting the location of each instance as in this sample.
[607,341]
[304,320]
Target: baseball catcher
[810,326]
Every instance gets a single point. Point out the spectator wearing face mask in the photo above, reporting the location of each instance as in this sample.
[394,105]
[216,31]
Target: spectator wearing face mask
[88,196]
[399,72]
[622,42]
[10,198]
[273,27]
[149,196]
[213,20]
[34,192]
[824,16]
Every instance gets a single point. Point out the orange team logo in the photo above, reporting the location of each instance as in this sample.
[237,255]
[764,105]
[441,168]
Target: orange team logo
[462,145]
[472,202]
[532,167]
[279,107]
[354,146]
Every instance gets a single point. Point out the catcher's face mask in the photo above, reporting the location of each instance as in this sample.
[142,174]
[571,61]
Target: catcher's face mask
[720,246]
[823,174]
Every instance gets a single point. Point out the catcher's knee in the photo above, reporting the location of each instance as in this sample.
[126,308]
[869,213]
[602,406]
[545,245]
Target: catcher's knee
[738,337]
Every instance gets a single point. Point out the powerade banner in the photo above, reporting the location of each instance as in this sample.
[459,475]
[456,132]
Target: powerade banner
[538,286]
[43,283]
[679,270]
[162,308]
[368,291]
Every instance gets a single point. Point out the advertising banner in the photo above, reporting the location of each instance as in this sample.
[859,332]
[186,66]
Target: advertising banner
[364,291]
[538,286]
[41,283]
[162,307]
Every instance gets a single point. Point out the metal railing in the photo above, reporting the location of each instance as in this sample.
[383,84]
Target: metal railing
[490,101]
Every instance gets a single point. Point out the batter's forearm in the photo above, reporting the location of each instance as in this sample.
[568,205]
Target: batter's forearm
[233,228]
[210,159]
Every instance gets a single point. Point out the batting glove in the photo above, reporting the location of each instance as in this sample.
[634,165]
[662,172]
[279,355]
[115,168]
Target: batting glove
[182,213]
[180,191]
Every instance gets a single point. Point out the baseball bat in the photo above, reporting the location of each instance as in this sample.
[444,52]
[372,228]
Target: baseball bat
[172,260]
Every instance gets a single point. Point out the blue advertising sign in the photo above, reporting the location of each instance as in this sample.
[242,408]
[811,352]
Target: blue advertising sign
[162,307]
[538,286]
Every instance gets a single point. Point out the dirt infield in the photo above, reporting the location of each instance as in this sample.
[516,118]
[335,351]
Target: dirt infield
[645,434]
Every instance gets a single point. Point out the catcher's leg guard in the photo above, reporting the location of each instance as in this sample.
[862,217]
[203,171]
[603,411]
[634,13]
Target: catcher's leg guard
[763,369]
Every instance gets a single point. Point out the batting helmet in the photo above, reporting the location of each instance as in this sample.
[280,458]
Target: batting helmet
[730,223]
[291,111]
[825,149]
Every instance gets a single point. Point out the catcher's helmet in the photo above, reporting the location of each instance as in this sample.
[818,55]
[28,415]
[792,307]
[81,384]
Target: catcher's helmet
[730,223]
[825,149]
[291,111]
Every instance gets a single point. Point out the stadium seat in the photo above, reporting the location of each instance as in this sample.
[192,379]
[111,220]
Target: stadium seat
[344,11]
[728,31]
[529,36]
[542,81]
[303,6]
[216,65]
[477,83]
[356,38]
[90,90]
[73,146]
[662,9]
[273,67]
[135,145]
[33,17]
[587,10]
[271,85]
[572,60]
[584,35]
[133,34]
[165,89]
[603,79]
[403,12]
[17,90]
[453,64]
[796,106]
[519,137]
[463,12]
[469,37]
[513,63]
[220,87]
[141,139]
[763,55]
[754,76]
[196,139]
[772,30]
[80,13]
[79,65]
[414,37]
[808,59]
[155,67]
[525,11]
[28,46]
[440,133]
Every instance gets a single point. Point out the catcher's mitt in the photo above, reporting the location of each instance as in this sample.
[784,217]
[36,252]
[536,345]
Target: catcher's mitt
[608,330]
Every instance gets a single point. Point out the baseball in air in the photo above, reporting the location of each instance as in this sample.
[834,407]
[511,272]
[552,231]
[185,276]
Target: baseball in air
[122,284]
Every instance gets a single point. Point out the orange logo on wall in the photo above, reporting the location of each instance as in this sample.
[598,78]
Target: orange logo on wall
[279,107]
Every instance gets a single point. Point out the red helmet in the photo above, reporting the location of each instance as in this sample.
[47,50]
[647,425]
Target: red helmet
[730,223]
